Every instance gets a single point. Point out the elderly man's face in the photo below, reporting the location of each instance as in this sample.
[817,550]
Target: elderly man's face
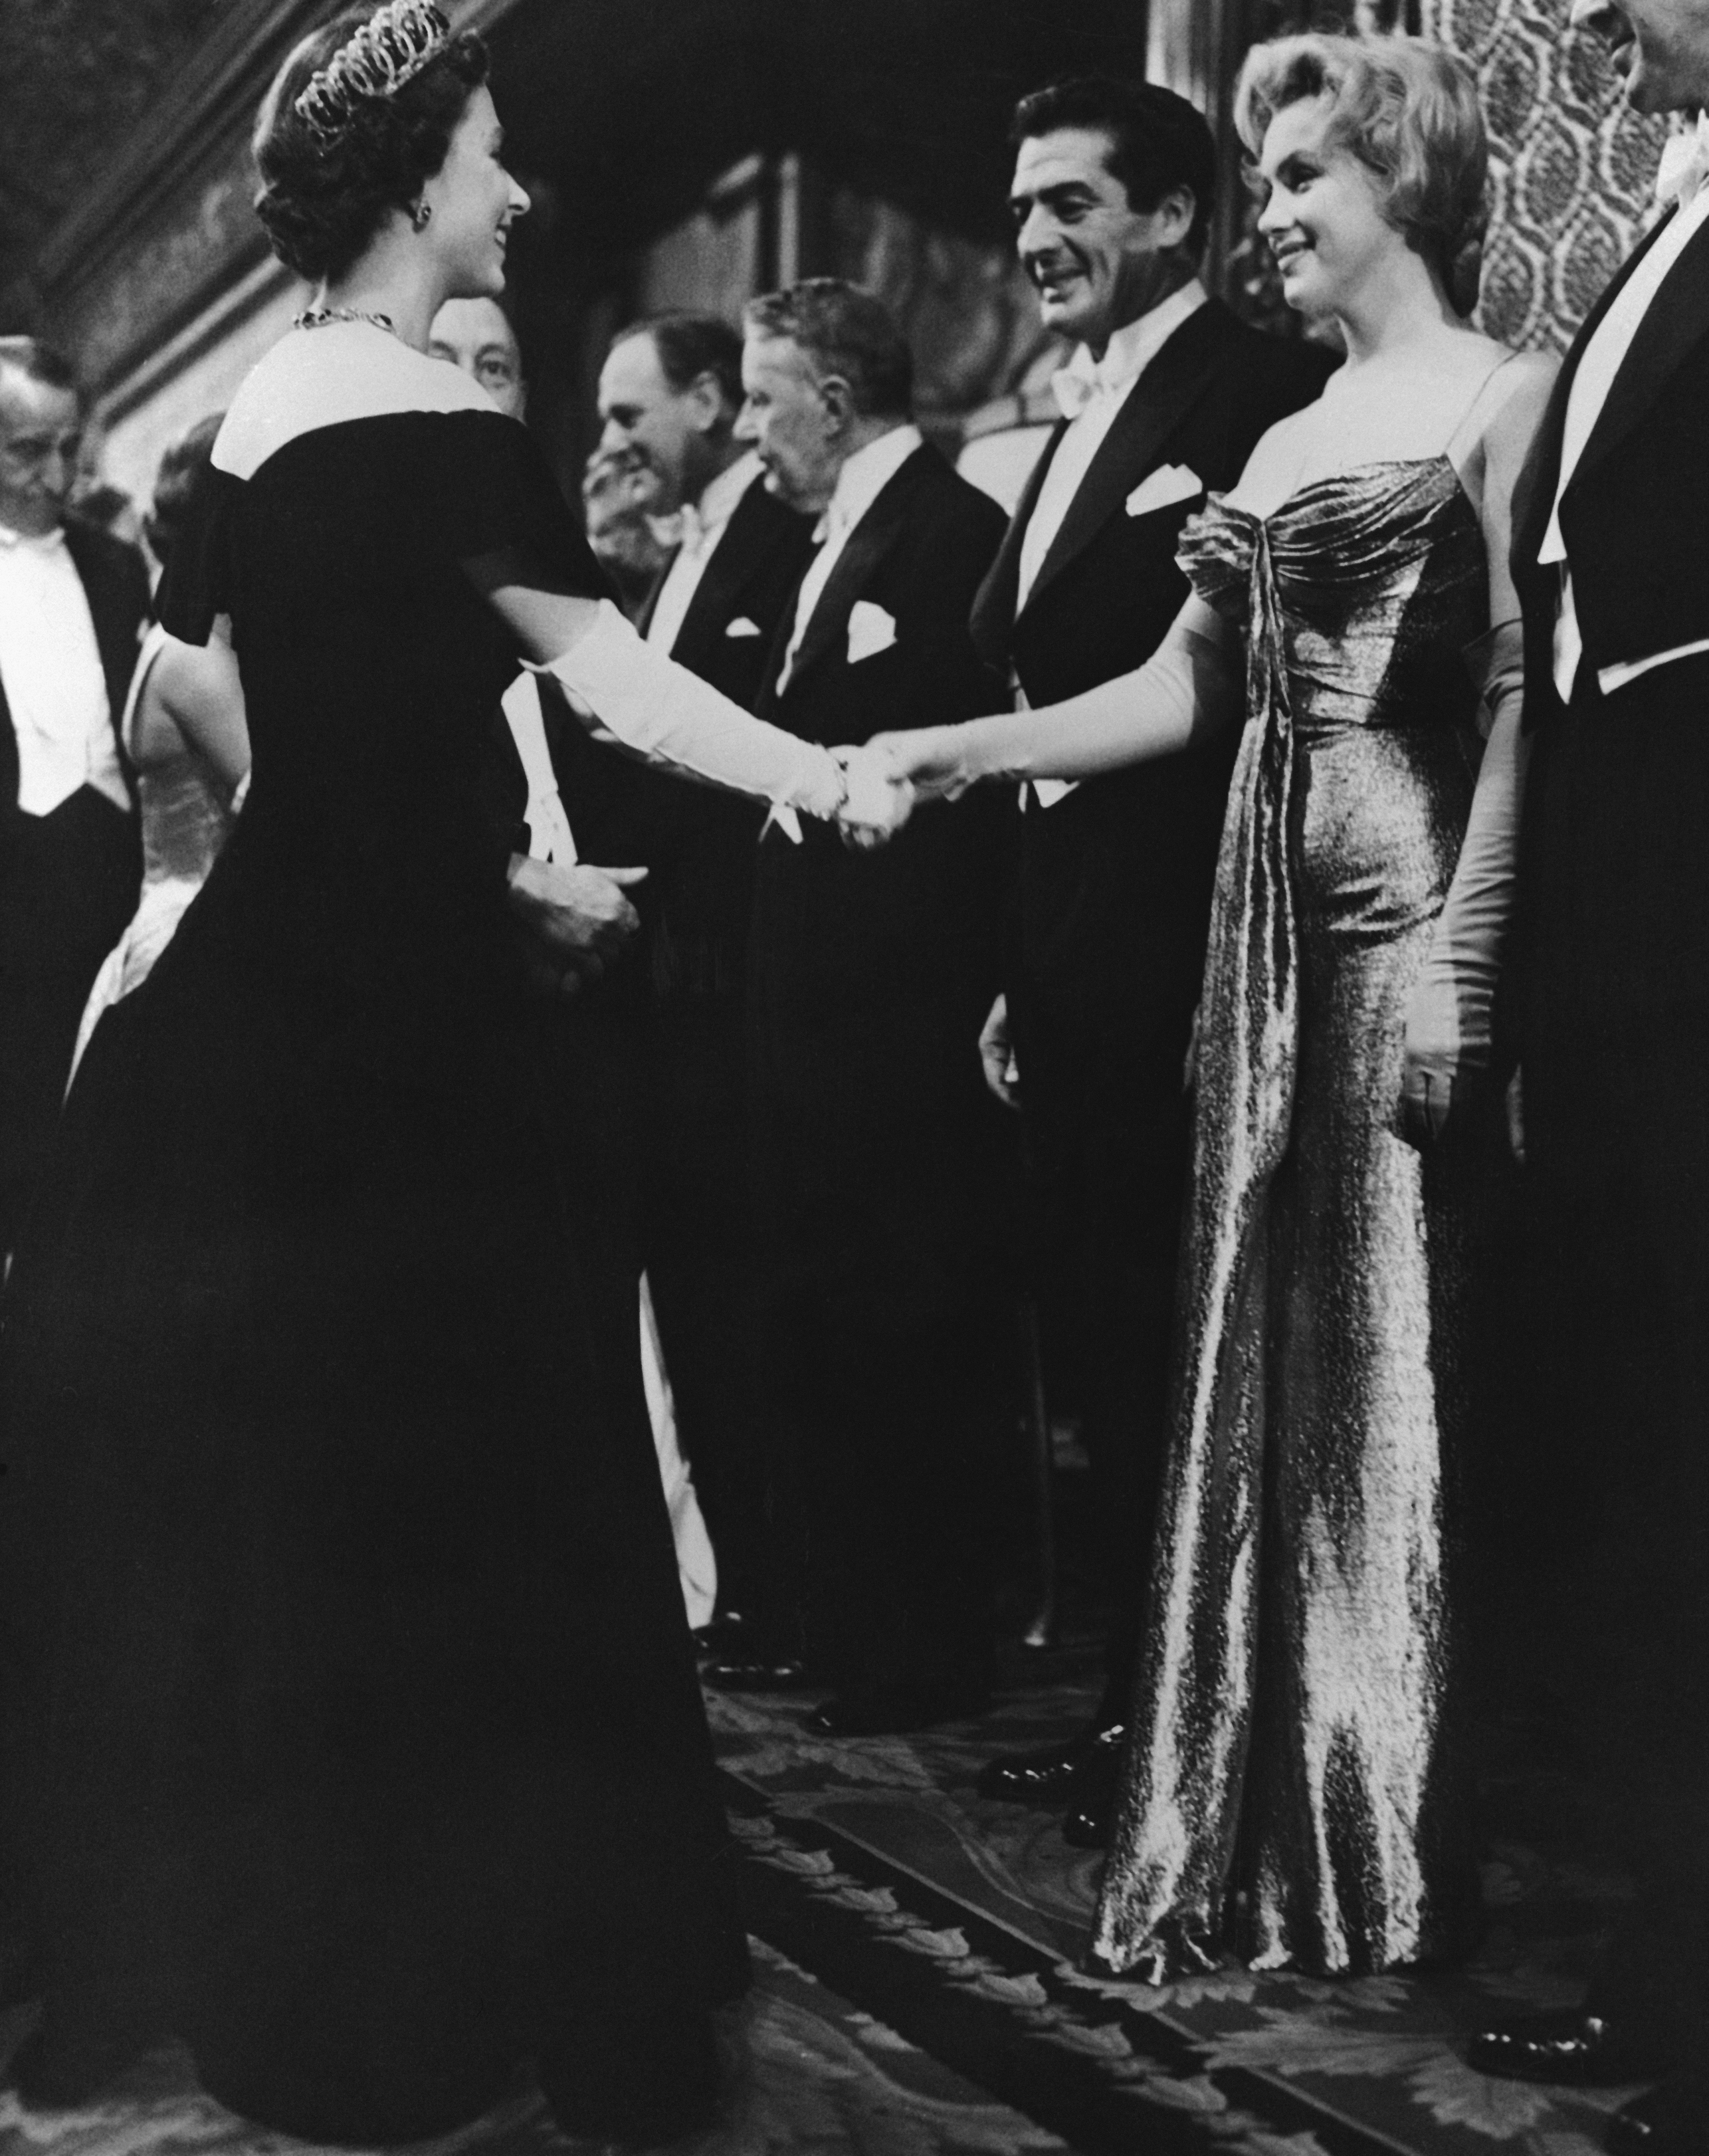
[476,336]
[1660,49]
[786,417]
[41,431]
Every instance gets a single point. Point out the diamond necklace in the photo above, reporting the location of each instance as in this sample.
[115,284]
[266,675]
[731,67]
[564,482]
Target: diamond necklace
[317,318]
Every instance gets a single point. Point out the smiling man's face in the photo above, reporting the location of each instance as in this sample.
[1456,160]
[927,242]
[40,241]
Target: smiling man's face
[1097,262]
[1660,49]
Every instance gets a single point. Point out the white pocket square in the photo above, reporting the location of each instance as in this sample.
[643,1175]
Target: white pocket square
[741,626]
[871,631]
[1159,489]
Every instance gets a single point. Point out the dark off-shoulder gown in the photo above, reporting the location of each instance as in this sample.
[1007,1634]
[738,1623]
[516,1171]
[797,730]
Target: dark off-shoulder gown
[351,1729]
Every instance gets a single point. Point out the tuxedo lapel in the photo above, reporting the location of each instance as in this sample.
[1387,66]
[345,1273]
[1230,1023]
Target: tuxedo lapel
[1155,406]
[868,543]
[649,605]
[741,548]
[10,774]
[994,604]
[114,624]
[1534,493]
[1675,320]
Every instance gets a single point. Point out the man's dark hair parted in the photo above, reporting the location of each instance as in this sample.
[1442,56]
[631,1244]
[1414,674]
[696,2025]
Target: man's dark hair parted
[1157,141]
[844,331]
[690,346]
[41,362]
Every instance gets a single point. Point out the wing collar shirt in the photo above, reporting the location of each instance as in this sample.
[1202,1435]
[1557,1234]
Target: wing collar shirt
[703,525]
[859,483]
[1089,392]
[56,689]
[1598,364]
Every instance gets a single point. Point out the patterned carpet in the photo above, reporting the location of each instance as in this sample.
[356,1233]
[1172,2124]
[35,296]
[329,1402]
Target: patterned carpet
[961,1924]
[812,2076]
[919,1992]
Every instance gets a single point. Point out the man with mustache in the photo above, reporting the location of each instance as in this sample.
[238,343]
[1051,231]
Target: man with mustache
[1165,397]
[1611,561]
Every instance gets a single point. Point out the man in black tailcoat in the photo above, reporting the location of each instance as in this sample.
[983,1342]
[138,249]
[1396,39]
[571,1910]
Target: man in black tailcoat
[868,975]
[1611,561]
[1164,398]
[73,603]
[668,395]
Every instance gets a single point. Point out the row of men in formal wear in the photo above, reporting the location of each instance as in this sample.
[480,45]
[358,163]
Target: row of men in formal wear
[815,1181]
[824,1174]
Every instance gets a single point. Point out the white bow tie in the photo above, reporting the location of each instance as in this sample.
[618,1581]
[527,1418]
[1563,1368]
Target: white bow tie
[1685,164]
[1075,388]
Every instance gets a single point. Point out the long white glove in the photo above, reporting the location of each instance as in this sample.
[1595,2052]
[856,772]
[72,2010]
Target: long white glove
[661,712]
[1448,1018]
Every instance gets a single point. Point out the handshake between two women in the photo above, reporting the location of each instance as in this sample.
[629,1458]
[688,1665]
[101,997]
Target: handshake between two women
[888,777]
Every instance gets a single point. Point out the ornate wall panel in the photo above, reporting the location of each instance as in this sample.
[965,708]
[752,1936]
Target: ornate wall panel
[1572,167]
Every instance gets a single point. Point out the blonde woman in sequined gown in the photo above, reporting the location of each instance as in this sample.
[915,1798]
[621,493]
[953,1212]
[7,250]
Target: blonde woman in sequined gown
[1289,1787]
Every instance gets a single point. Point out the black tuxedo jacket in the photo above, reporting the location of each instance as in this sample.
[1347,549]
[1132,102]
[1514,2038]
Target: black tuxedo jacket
[69,882]
[1633,515]
[870,973]
[1115,879]
[698,843]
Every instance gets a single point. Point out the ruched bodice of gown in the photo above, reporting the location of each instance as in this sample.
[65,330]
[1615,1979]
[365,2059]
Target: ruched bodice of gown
[1296,1664]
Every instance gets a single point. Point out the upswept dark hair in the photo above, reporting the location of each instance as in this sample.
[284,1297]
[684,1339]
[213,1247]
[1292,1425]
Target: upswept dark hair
[182,464]
[690,346]
[845,331]
[38,360]
[1157,141]
[323,200]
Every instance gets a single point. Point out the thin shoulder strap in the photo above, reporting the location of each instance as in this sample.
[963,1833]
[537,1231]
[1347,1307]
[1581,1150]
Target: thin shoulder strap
[1466,431]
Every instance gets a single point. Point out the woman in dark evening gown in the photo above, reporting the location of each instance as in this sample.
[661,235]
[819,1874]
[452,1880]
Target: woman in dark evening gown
[1289,1787]
[352,1731]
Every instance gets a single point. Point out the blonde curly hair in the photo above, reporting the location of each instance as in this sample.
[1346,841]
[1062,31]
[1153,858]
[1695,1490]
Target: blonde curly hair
[1407,110]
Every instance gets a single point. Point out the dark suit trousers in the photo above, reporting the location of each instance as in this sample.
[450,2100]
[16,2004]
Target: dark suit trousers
[1109,1154]
[67,888]
[1614,1042]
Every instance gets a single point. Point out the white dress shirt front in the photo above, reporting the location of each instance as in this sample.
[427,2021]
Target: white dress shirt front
[56,688]
[1107,382]
[703,525]
[1092,392]
[1598,364]
[859,483]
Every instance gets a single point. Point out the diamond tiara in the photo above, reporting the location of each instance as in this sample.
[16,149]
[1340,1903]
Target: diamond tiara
[390,49]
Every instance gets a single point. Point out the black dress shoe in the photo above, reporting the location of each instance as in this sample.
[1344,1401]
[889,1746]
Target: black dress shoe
[1671,2119]
[727,1639]
[1091,1818]
[757,1672]
[882,1713]
[1044,1778]
[1571,2047]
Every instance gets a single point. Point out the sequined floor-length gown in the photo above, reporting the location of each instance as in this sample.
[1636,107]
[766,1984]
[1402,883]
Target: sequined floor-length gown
[1288,1790]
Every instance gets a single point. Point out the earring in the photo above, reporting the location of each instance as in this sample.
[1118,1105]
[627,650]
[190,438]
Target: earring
[421,216]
